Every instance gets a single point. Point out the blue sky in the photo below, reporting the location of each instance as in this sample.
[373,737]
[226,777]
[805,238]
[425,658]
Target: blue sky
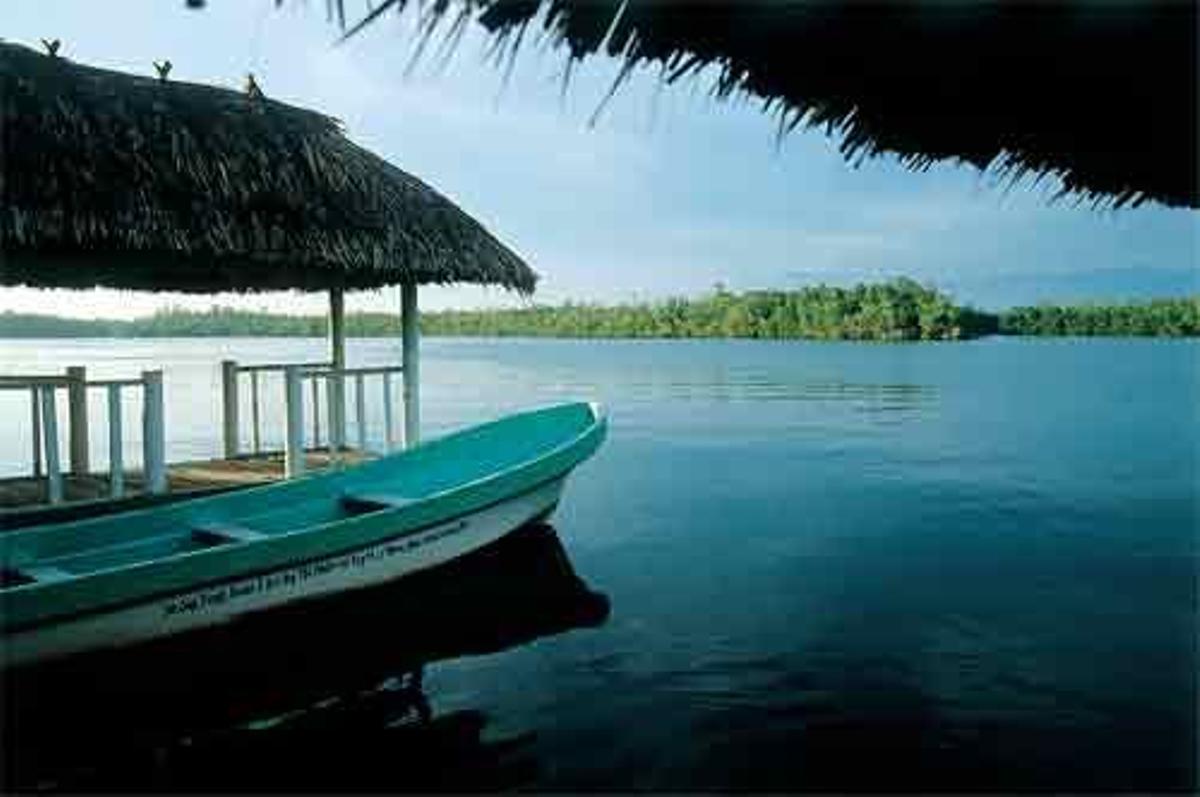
[668,193]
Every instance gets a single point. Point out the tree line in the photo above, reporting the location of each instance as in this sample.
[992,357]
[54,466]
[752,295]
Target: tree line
[1159,317]
[898,310]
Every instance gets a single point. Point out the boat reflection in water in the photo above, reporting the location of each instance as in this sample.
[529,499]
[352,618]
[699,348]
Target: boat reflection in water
[320,696]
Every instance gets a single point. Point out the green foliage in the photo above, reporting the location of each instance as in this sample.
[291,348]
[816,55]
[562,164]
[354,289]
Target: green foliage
[26,325]
[897,310]
[1160,317]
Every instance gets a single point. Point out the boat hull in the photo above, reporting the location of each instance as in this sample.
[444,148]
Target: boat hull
[220,602]
[132,718]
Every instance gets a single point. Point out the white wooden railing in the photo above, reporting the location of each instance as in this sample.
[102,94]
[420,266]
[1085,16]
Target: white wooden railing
[43,392]
[231,372]
[316,374]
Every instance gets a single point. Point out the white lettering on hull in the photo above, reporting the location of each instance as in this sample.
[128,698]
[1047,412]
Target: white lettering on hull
[297,577]
[352,570]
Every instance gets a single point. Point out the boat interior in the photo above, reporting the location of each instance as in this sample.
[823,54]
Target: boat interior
[48,554]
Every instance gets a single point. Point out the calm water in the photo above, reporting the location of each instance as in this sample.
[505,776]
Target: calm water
[830,566]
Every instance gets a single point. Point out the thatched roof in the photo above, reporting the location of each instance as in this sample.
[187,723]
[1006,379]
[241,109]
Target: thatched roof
[1099,92]
[110,179]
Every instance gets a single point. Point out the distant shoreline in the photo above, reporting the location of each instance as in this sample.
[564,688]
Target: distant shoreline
[899,310]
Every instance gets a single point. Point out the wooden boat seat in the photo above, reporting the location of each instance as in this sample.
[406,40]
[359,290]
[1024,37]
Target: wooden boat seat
[221,533]
[43,573]
[358,503]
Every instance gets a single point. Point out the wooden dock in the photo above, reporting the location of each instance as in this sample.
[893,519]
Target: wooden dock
[20,494]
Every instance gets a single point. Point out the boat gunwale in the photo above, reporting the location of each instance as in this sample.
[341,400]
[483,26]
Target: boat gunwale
[235,577]
[595,428]
[599,418]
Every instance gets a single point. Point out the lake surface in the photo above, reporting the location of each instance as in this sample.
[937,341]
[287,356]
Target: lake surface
[830,566]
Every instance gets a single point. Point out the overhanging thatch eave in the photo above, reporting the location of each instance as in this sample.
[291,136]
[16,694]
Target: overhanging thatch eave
[1100,93]
[123,181]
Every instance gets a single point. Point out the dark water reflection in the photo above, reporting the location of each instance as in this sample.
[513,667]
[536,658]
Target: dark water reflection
[833,567]
[326,697]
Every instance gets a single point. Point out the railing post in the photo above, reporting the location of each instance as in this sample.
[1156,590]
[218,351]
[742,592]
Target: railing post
[293,459]
[316,405]
[410,337]
[332,381]
[257,440]
[360,412]
[154,449]
[116,458]
[36,419]
[389,438]
[229,402]
[337,410]
[54,481]
[77,419]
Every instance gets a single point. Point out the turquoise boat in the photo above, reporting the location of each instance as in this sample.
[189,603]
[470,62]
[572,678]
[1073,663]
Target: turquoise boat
[131,577]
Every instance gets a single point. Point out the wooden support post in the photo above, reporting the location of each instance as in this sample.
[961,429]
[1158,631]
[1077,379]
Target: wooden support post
[337,356]
[331,410]
[293,395]
[410,339]
[54,480]
[336,397]
[316,404]
[154,438]
[116,456]
[337,327]
[257,440]
[389,435]
[229,404]
[77,419]
[36,421]
[360,412]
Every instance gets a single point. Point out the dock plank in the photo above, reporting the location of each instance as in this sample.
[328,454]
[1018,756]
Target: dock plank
[24,492]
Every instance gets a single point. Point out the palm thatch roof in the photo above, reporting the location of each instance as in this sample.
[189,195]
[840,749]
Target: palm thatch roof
[110,179]
[1101,93]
